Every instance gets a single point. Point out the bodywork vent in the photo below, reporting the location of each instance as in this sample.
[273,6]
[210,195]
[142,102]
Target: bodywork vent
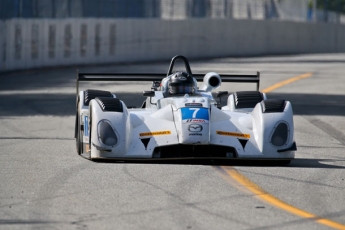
[247,99]
[92,94]
[273,106]
[109,104]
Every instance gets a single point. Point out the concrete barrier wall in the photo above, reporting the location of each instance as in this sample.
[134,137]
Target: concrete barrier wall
[2,45]
[36,43]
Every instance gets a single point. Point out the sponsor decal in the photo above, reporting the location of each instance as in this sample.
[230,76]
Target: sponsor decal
[242,135]
[195,128]
[194,104]
[194,115]
[167,132]
[195,134]
[195,120]
[182,78]
[87,148]
[86,126]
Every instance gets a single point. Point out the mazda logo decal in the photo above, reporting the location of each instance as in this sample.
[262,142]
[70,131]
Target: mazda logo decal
[195,128]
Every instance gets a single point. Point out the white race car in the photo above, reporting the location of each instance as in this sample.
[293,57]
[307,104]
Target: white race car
[180,120]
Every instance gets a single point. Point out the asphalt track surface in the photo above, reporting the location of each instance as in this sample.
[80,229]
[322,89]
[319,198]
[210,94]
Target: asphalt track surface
[44,184]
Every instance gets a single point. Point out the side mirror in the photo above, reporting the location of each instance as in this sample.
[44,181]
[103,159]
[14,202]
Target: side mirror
[148,93]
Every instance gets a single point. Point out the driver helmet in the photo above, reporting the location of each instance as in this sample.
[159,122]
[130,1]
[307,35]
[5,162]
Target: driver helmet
[181,83]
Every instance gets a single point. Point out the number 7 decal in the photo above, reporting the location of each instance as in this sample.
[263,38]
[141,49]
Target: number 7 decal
[195,111]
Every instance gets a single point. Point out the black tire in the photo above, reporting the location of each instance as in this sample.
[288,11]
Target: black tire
[79,139]
[90,132]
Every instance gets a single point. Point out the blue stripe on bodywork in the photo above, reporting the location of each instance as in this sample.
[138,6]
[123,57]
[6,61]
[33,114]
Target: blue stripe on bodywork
[86,126]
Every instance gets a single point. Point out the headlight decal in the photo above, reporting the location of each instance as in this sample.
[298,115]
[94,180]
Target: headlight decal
[280,134]
[106,133]
[86,126]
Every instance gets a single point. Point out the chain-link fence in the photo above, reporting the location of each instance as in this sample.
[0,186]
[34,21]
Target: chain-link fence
[297,10]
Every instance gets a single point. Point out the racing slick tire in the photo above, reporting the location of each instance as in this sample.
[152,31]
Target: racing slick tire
[79,140]
[90,135]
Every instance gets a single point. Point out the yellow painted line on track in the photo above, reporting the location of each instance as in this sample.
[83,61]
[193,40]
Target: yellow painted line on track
[288,81]
[263,195]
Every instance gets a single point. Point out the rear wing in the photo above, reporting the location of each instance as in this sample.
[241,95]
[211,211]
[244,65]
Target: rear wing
[255,78]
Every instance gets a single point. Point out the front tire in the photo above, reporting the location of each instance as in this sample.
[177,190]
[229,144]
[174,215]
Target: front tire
[90,134]
[79,139]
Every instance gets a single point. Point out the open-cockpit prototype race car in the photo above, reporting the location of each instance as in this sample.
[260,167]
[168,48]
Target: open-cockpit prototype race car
[180,120]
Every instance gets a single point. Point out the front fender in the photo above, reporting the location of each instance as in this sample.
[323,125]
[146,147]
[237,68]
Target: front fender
[119,122]
[265,125]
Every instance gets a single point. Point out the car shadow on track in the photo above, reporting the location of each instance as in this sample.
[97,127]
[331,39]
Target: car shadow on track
[296,163]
